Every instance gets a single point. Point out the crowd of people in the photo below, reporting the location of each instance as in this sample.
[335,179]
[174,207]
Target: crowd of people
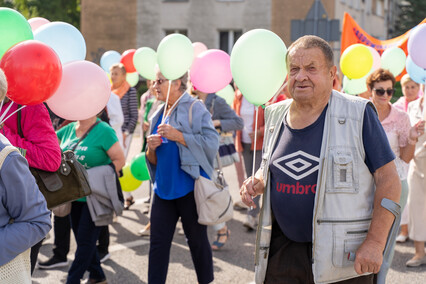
[360,151]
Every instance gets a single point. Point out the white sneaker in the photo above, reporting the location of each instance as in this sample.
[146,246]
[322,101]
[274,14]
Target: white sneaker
[250,223]
[401,239]
[144,232]
[416,262]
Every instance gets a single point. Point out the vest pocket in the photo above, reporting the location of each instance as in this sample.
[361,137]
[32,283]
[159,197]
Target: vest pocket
[342,172]
[347,238]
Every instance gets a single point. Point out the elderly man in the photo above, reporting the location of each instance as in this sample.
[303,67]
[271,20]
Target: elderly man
[326,167]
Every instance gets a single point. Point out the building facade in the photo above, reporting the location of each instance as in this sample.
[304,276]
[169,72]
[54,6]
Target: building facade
[121,25]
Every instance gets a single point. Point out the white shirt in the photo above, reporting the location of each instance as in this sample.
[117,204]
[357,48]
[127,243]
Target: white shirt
[247,114]
[116,117]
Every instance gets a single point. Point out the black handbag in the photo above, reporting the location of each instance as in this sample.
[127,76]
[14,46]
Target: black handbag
[70,182]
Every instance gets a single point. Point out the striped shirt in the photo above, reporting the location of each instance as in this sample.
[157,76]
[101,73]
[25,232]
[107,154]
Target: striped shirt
[129,105]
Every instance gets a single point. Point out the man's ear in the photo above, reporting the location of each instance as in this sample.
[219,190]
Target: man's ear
[333,71]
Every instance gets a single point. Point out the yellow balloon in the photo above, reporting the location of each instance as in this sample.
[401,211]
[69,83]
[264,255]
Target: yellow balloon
[356,61]
[128,182]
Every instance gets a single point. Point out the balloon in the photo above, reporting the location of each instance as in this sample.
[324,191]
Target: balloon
[376,58]
[33,72]
[109,58]
[355,86]
[14,28]
[83,92]
[138,167]
[211,71]
[128,182]
[393,59]
[199,47]
[356,61]
[37,22]
[144,60]
[132,78]
[227,94]
[127,60]
[258,65]
[416,45]
[65,39]
[417,74]
[175,55]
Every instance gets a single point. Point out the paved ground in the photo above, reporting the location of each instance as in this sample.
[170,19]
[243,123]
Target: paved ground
[234,264]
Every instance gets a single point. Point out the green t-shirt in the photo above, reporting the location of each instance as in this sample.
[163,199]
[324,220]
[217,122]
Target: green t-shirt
[92,150]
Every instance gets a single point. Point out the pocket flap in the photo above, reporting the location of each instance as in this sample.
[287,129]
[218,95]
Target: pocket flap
[51,180]
[342,159]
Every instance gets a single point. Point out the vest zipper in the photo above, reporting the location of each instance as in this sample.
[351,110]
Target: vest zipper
[343,221]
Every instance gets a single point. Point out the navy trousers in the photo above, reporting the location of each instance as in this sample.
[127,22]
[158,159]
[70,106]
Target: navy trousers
[164,216]
[86,235]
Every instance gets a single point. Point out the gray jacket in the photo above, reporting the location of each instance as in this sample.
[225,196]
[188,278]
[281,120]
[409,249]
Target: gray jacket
[229,120]
[103,201]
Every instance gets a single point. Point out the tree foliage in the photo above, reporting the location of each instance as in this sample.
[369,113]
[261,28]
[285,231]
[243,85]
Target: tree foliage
[411,13]
[54,10]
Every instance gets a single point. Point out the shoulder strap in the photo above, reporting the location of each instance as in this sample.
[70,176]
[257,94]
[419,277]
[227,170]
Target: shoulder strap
[5,152]
[85,135]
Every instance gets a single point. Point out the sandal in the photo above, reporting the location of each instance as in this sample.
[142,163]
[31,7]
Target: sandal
[218,245]
[129,202]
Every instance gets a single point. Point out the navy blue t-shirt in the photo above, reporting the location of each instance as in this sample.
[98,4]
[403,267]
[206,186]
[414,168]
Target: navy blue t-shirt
[294,170]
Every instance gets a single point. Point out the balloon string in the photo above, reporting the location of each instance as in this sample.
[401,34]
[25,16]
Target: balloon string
[167,101]
[1,105]
[2,121]
[254,149]
[5,112]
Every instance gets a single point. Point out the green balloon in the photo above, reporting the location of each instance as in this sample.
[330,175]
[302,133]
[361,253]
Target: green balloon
[14,28]
[128,182]
[258,65]
[175,55]
[132,78]
[355,86]
[144,60]
[393,59]
[227,94]
[138,167]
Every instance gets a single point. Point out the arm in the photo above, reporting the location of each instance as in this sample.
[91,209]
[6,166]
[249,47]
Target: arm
[39,138]
[407,152]
[25,204]
[225,117]
[369,256]
[132,119]
[116,155]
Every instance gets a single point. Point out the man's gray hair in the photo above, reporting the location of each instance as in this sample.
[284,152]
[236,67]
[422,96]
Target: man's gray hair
[311,41]
[3,85]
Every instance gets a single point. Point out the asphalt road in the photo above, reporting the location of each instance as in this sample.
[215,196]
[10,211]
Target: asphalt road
[233,264]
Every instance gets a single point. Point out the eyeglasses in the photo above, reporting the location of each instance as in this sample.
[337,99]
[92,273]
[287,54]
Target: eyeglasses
[381,92]
[159,81]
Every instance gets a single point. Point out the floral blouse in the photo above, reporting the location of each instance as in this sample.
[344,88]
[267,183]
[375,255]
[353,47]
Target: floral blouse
[397,126]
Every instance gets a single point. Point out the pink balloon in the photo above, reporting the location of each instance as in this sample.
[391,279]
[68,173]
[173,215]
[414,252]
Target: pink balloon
[211,71]
[37,22]
[199,47]
[83,92]
[376,58]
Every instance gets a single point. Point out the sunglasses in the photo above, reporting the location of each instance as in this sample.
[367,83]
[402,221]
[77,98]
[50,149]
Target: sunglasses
[381,92]
[159,81]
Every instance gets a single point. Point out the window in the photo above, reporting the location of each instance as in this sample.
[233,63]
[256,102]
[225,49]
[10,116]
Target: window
[379,8]
[176,31]
[227,39]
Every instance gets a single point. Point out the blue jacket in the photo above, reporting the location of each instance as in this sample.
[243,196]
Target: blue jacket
[202,139]
[22,201]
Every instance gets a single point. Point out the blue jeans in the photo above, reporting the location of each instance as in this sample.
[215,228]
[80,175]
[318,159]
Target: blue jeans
[164,216]
[86,235]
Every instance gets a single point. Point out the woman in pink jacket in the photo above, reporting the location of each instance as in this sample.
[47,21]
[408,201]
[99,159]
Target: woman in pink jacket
[36,140]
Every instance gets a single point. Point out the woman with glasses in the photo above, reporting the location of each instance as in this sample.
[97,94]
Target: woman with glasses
[178,152]
[396,123]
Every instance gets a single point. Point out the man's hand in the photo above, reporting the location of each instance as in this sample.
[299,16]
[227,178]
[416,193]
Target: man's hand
[369,257]
[251,188]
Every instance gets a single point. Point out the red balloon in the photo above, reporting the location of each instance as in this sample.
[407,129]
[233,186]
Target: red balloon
[33,72]
[127,60]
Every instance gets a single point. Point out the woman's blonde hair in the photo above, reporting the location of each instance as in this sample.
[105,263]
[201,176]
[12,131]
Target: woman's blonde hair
[3,85]
[406,78]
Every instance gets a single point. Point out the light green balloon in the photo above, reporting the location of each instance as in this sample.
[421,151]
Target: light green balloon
[393,59]
[258,65]
[132,78]
[227,94]
[14,28]
[144,60]
[175,55]
[355,86]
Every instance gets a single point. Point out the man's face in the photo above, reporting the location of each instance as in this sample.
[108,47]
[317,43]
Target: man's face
[117,76]
[310,77]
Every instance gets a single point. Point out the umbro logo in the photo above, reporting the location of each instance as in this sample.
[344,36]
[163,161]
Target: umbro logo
[298,164]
